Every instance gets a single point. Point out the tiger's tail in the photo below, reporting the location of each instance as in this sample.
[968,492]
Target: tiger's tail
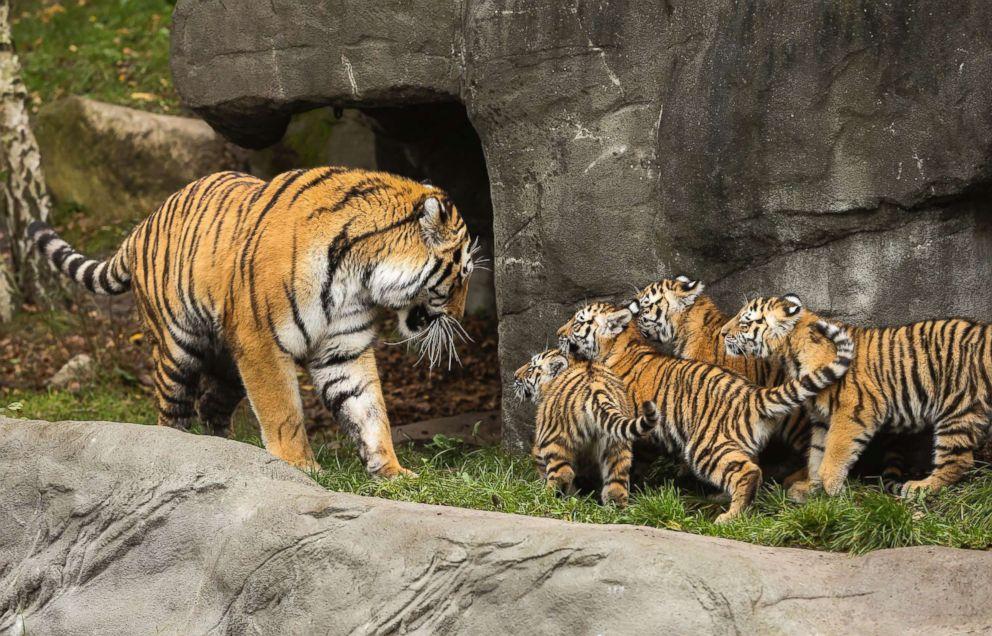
[109,277]
[621,427]
[785,398]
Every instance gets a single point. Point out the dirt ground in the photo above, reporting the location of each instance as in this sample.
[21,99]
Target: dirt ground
[38,343]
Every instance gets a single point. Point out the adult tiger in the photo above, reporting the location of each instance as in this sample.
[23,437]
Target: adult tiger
[717,418]
[238,279]
[902,378]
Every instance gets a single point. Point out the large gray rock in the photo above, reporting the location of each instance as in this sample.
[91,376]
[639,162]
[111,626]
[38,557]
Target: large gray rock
[124,529]
[119,163]
[840,150]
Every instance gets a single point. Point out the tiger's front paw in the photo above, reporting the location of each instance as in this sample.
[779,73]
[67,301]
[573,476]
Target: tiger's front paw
[833,484]
[616,495]
[912,487]
[801,490]
[393,470]
[725,517]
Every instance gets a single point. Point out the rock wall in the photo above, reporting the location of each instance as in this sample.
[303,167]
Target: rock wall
[841,150]
[125,529]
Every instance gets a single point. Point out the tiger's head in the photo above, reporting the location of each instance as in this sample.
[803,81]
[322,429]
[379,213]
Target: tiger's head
[660,306]
[590,332]
[429,285]
[529,379]
[762,326]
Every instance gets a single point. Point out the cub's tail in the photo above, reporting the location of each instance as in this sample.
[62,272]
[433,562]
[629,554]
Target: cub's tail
[100,277]
[618,425]
[783,399]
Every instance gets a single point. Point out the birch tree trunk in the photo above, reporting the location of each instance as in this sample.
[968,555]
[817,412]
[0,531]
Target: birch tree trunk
[24,190]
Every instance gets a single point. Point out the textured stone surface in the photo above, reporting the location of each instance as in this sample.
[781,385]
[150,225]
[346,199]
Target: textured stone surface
[124,529]
[839,150]
[120,163]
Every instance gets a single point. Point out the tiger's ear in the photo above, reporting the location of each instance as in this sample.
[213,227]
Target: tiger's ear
[433,217]
[613,324]
[793,305]
[690,290]
[556,365]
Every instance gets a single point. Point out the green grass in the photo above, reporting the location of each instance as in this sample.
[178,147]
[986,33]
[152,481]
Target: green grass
[862,519]
[112,50]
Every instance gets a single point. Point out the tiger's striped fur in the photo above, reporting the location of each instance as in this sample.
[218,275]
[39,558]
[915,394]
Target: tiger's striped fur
[238,280]
[677,312]
[581,404]
[719,419]
[935,372]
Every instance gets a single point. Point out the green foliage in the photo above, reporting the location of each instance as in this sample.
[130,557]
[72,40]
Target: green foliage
[113,50]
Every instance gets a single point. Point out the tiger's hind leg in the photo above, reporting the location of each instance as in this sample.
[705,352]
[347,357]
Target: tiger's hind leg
[847,437]
[955,442]
[219,397]
[176,376]
[801,489]
[739,476]
[614,466]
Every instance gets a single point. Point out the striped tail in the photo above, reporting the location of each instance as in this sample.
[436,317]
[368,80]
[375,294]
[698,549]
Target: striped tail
[618,426]
[785,398]
[100,277]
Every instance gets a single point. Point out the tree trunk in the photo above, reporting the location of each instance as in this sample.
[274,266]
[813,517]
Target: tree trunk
[25,194]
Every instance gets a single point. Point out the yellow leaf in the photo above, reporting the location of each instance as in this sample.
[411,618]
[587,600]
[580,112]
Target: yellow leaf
[137,337]
[144,97]
[73,48]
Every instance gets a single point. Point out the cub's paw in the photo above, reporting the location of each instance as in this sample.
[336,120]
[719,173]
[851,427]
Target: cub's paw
[615,495]
[910,488]
[801,490]
[833,484]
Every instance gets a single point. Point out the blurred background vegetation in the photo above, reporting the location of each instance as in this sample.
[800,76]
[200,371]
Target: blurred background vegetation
[116,51]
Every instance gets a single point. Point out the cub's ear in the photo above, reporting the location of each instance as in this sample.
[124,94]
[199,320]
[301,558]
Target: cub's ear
[556,365]
[433,216]
[793,305]
[633,307]
[616,322]
[690,289]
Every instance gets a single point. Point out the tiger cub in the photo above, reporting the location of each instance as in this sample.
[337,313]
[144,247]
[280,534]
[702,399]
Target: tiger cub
[582,405]
[935,372]
[677,312]
[238,280]
[717,418]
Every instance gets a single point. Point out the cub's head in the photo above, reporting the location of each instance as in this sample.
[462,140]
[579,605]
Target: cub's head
[659,306]
[762,326]
[590,332]
[529,379]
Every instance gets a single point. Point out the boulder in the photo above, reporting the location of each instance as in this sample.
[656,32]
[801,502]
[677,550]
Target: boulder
[123,529]
[119,163]
[839,150]
[78,368]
